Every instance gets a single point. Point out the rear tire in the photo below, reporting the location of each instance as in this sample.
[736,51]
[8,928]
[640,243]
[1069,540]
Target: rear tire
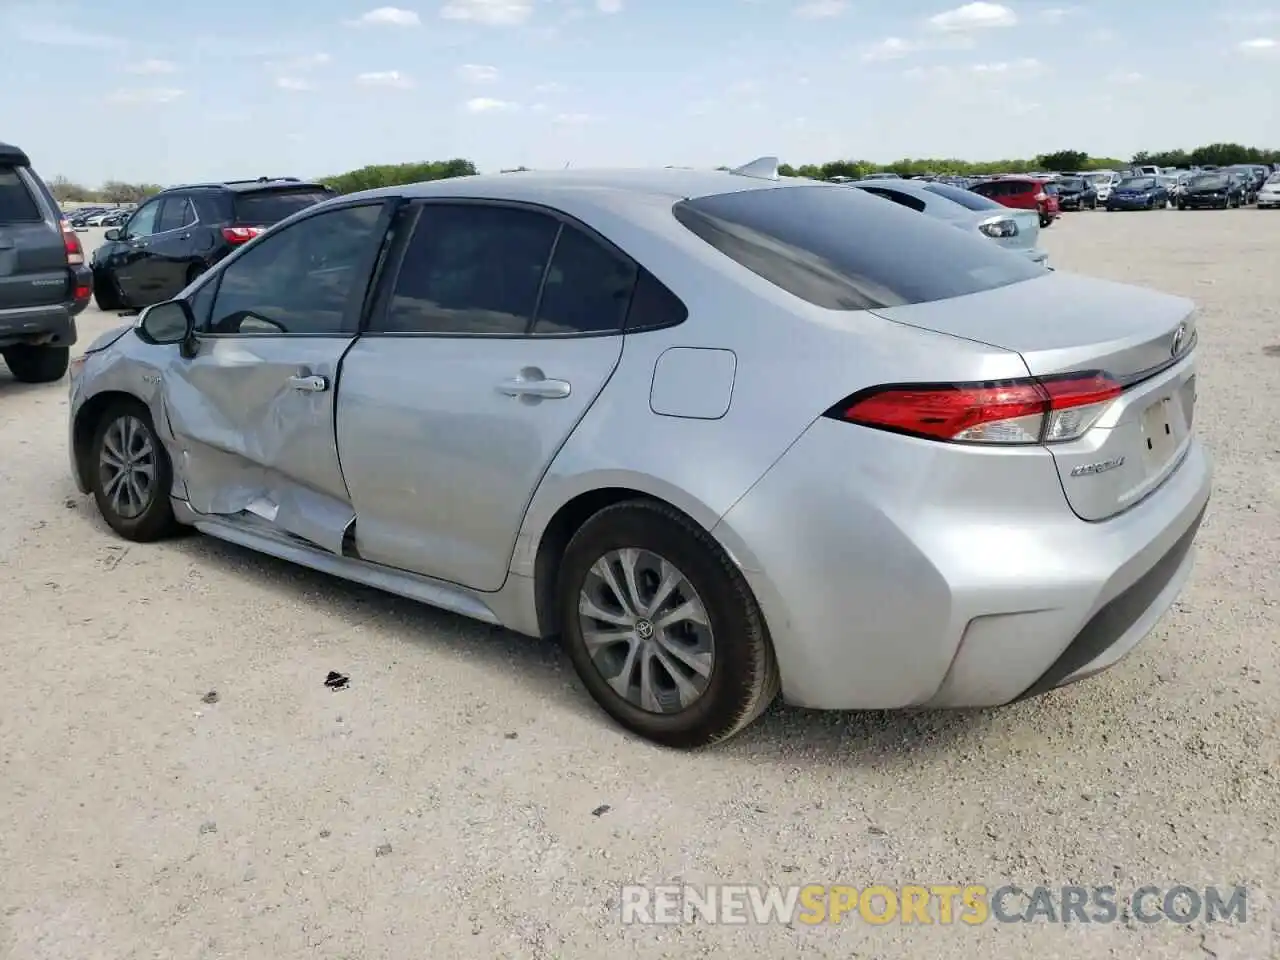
[722,675]
[30,364]
[130,474]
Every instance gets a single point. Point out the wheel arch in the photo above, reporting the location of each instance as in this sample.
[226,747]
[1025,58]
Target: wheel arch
[86,424]
[549,528]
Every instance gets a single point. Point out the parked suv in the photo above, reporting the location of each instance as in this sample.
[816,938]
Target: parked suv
[44,282]
[183,231]
[1022,193]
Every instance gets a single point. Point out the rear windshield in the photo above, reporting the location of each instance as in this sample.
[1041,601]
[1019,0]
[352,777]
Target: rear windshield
[17,205]
[843,250]
[1138,183]
[1212,182]
[265,207]
[966,198]
[1071,183]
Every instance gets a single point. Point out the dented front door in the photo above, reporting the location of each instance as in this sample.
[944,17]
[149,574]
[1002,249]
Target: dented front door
[251,407]
[253,418]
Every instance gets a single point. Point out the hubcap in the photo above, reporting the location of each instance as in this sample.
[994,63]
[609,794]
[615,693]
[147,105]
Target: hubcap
[127,467]
[646,630]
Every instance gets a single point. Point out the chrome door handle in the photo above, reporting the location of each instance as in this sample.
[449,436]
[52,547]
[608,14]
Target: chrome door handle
[543,389]
[309,384]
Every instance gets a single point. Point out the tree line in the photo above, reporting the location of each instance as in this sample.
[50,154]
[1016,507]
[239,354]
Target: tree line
[394,174]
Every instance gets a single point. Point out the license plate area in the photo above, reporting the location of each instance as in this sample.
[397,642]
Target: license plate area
[1163,427]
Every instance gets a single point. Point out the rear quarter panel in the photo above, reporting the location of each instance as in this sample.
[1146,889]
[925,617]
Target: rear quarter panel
[793,362]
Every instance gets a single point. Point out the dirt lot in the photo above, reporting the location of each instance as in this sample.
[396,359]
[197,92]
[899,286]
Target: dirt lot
[463,798]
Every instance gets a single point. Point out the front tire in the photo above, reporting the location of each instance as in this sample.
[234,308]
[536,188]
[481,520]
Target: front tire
[30,364]
[130,474]
[662,628]
[105,294]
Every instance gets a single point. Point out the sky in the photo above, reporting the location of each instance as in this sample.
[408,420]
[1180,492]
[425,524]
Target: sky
[165,92]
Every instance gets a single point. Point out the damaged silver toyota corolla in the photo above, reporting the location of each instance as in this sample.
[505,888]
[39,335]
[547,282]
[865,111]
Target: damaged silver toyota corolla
[723,433]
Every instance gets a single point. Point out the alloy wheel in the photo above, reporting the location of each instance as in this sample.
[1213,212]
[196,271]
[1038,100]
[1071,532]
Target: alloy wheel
[646,630]
[127,466]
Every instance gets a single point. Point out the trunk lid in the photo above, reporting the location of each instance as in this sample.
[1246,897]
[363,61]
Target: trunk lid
[33,256]
[1059,324]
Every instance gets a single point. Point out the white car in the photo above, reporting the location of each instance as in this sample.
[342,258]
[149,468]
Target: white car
[1269,195]
[1104,184]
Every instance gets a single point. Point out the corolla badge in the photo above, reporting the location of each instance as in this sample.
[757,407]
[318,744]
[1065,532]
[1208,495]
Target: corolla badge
[1179,340]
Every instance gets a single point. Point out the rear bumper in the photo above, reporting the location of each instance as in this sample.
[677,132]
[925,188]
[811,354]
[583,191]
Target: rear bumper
[893,574]
[54,325]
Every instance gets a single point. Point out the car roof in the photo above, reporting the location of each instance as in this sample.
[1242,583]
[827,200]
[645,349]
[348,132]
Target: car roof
[13,156]
[534,186]
[250,186]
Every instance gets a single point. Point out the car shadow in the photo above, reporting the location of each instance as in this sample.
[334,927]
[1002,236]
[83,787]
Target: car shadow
[783,734]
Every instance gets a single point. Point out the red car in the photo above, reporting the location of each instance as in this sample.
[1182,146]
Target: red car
[1023,193]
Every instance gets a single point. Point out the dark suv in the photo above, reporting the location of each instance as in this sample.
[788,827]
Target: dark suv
[183,231]
[44,282]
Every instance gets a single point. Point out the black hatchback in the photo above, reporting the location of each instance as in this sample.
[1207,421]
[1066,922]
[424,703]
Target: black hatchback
[183,231]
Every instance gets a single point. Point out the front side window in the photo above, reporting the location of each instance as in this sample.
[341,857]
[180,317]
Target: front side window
[838,249]
[143,221]
[308,279]
[470,269]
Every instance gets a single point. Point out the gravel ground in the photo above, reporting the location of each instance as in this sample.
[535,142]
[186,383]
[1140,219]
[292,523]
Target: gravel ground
[463,798]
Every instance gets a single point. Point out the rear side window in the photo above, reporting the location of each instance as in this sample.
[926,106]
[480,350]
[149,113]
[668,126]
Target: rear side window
[837,249]
[587,289]
[17,205]
[262,208]
[471,269]
[966,198]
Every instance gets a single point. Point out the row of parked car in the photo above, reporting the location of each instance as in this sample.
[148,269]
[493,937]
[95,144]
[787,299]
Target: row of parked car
[85,217]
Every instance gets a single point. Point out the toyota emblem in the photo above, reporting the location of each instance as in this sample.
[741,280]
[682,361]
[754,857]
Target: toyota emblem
[1179,337]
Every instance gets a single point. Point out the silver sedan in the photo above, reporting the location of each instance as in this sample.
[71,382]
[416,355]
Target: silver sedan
[723,433]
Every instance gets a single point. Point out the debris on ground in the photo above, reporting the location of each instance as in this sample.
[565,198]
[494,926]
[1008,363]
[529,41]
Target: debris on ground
[336,680]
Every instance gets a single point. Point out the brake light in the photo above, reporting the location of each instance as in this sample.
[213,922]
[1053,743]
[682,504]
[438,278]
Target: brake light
[238,235]
[1045,410]
[71,244]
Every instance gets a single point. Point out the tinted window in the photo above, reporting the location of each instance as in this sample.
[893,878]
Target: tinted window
[1049,188]
[1071,183]
[653,305]
[587,288]
[471,269]
[308,279]
[1138,183]
[1214,182]
[173,214]
[898,197]
[966,198]
[841,250]
[16,203]
[265,207]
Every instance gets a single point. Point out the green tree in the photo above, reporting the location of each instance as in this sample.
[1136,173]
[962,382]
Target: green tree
[1063,160]
[396,174]
[64,191]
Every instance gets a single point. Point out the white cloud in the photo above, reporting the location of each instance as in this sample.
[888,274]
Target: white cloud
[1251,17]
[820,9]
[388,17]
[1055,15]
[492,13]
[927,73]
[146,95]
[550,87]
[609,6]
[477,73]
[978,15]
[572,119]
[1102,35]
[487,105]
[296,84]
[1259,45]
[32,24]
[1125,77]
[151,67]
[385,78]
[890,48]
[1026,67]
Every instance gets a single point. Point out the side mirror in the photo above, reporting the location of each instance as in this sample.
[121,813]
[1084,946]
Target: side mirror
[168,322]
[113,234]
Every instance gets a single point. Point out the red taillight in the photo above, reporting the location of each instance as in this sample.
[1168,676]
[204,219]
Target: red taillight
[237,235]
[71,243]
[83,292]
[1049,410]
